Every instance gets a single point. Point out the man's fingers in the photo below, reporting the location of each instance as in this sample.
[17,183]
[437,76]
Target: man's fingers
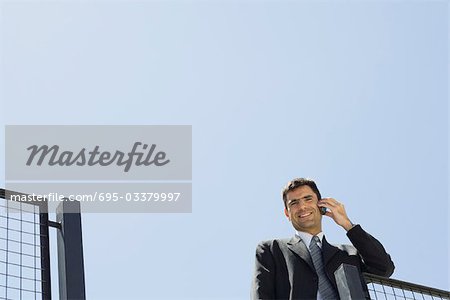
[336,211]
[330,201]
[329,214]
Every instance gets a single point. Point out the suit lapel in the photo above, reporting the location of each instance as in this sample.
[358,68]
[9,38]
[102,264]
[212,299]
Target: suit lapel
[297,246]
[328,251]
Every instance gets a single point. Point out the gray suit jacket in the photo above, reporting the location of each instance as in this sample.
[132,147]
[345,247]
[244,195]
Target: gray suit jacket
[284,269]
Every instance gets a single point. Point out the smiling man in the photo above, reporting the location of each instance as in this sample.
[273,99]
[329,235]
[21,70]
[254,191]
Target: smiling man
[303,267]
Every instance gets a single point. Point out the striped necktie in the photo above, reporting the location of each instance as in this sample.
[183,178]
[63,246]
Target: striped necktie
[325,288]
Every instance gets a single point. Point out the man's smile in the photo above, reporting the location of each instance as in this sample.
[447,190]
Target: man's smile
[304,215]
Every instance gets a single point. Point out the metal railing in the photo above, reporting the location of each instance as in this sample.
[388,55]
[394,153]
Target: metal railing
[386,288]
[25,248]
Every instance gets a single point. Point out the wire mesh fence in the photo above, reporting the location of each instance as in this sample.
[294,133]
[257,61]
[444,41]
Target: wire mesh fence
[381,288]
[24,251]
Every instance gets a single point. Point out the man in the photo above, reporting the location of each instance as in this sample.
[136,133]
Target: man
[303,267]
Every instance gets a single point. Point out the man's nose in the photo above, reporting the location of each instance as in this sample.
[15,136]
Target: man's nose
[302,204]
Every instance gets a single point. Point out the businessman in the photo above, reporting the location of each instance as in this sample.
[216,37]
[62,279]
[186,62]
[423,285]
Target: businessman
[302,267]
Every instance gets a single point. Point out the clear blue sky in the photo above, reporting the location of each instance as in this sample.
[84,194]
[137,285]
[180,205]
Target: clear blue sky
[353,94]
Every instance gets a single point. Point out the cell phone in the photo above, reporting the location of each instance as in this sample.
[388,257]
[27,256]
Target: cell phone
[323,210]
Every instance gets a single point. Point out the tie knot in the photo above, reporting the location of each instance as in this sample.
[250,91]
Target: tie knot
[315,239]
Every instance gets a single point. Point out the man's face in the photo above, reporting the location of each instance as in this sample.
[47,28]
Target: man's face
[302,210]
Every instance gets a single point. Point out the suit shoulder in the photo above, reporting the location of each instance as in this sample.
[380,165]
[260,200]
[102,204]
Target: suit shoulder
[273,242]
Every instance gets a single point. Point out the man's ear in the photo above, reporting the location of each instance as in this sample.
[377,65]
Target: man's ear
[286,213]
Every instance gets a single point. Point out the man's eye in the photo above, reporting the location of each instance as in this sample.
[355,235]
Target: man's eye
[292,203]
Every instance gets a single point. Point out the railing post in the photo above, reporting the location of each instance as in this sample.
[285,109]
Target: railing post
[70,252]
[45,256]
[349,283]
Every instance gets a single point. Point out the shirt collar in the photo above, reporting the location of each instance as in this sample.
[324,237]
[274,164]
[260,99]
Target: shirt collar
[306,237]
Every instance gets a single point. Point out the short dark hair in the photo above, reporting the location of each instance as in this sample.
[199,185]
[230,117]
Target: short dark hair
[298,182]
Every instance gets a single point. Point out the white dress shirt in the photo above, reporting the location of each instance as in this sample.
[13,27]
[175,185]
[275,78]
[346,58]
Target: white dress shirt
[306,238]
